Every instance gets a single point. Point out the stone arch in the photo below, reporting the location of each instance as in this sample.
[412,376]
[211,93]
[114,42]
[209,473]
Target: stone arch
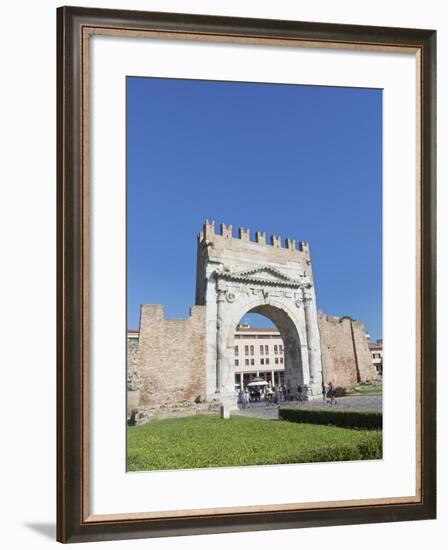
[296,364]
[266,307]
[287,314]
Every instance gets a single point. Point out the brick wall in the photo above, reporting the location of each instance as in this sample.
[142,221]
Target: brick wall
[133,368]
[345,354]
[171,356]
[366,368]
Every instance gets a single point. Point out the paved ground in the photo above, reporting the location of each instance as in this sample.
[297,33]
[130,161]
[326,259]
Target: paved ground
[359,402]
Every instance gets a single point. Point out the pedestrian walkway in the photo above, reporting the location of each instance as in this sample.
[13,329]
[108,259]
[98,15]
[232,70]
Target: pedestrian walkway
[358,402]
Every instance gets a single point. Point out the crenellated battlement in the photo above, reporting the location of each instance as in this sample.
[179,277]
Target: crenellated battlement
[244,234]
[208,233]
[260,237]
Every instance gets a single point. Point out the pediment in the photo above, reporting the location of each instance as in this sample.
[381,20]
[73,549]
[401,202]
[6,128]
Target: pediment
[264,275]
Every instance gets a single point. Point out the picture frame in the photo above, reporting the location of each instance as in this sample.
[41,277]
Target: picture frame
[75,521]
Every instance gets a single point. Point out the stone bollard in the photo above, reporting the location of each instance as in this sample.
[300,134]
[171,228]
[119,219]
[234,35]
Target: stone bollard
[225,412]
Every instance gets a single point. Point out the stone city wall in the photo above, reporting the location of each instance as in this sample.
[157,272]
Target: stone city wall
[166,365]
[171,357]
[133,375]
[366,368]
[345,353]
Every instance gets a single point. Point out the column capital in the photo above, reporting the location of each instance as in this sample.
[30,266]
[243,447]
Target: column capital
[307,296]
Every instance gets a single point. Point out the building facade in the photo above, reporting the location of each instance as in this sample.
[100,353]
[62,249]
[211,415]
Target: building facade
[376,349]
[258,353]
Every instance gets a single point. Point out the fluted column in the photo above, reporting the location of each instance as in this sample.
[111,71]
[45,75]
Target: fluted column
[313,341]
[225,377]
[220,340]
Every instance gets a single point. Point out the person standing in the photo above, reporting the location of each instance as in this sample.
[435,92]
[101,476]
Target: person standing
[247,396]
[242,399]
[331,393]
[324,390]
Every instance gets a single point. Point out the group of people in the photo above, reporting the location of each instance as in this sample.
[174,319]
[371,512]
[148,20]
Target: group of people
[277,395]
[270,395]
[245,397]
[280,394]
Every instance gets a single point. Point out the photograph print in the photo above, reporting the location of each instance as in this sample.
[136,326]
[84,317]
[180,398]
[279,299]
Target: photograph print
[254,273]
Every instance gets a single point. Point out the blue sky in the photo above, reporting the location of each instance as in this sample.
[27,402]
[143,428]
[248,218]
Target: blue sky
[304,161]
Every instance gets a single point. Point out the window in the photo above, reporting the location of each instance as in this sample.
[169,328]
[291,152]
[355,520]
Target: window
[266,350]
[276,350]
[236,350]
[237,363]
[276,360]
[267,361]
[281,359]
[261,350]
[281,348]
[252,361]
[262,361]
[246,350]
[251,350]
[246,362]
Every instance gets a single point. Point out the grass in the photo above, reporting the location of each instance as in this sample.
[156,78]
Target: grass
[365,389]
[204,441]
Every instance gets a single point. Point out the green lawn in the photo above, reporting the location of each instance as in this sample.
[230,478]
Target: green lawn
[203,441]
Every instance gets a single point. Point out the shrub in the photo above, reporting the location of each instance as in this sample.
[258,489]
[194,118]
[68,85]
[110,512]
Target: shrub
[342,418]
[369,449]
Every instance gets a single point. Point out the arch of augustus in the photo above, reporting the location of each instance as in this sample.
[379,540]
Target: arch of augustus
[188,364]
[236,276]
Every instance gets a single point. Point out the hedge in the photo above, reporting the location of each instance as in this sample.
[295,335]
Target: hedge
[343,418]
[369,449]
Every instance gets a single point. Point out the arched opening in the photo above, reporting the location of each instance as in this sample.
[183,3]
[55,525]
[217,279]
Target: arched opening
[267,359]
